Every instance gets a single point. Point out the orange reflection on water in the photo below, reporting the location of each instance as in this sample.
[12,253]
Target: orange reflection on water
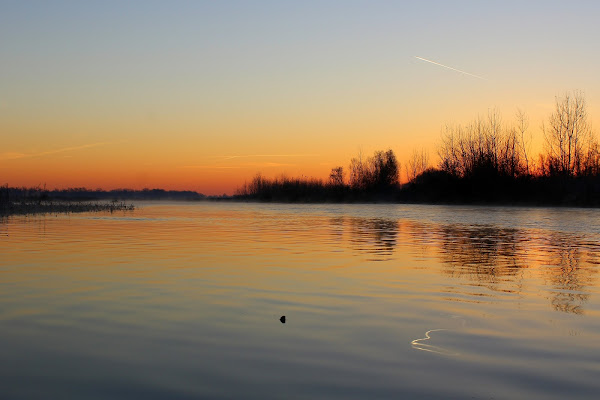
[173,246]
[366,289]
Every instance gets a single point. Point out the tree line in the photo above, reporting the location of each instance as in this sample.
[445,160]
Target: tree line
[483,161]
[489,147]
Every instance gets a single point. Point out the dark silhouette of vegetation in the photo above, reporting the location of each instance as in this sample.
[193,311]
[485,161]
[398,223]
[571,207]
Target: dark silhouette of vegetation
[124,194]
[482,150]
[377,174]
[417,164]
[336,177]
[39,200]
[291,190]
[486,161]
[375,179]
[571,147]
[490,162]
[24,201]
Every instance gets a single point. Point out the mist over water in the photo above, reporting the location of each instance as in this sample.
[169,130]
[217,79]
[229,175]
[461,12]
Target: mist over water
[177,300]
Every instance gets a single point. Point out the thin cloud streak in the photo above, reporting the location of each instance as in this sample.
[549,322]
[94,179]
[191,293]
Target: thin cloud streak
[210,166]
[265,155]
[239,166]
[453,69]
[221,162]
[15,156]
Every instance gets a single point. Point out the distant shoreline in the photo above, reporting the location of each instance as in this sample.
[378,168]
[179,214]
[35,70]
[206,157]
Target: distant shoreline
[31,201]
[410,202]
[435,187]
[432,187]
[61,207]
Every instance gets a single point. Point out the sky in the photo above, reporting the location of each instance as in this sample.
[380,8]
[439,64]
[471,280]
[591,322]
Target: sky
[202,95]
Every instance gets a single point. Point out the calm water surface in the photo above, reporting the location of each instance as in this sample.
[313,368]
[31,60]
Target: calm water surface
[182,301]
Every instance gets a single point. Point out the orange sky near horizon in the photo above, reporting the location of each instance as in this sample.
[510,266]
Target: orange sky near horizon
[202,96]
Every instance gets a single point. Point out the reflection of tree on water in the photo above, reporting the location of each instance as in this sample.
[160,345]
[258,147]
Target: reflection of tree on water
[495,258]
[569,272]
[376,237]
[486,254]
[421,237]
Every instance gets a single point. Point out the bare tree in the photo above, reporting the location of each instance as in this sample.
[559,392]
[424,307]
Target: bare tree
[592,159]
[357,171]
[509,158]
[378,172]
[567,135]
[417,164]
[494,136]
[336,177]
[524,138]
[450,160]
[485,147]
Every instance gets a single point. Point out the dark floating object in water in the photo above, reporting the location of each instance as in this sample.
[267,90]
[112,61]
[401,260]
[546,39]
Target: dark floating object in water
[282,319]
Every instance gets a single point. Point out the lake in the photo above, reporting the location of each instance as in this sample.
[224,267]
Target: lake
[183,301]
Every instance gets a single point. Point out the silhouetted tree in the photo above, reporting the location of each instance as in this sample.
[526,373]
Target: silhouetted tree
[592,159]
[357,172]
[417,164]
[384,169]
[568,135]
[379,172]
[524,138]
[482,149]
[336,177]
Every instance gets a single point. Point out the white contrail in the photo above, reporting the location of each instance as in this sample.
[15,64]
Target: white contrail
[14,156]
[453,69]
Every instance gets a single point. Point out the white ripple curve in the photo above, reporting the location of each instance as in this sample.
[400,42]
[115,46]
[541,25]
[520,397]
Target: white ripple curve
[418,344]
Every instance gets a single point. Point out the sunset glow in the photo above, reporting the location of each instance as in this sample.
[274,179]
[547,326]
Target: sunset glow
[203,95]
